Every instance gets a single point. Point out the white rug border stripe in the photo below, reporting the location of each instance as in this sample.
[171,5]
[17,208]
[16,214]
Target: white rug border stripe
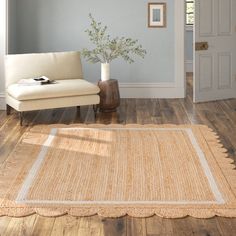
[214,188]
[22,195]
[35,168]
[119,202]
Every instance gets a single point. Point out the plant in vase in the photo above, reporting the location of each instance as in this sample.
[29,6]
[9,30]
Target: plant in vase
[108,49]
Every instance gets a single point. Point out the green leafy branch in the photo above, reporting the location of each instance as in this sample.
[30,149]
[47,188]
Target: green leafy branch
[108,49]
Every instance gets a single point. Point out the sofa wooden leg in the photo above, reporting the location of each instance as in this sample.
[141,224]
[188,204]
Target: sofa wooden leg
[8,110]
[78,109]
[95,109]
[21,118]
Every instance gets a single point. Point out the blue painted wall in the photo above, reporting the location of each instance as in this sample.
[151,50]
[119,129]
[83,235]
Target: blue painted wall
[52,25]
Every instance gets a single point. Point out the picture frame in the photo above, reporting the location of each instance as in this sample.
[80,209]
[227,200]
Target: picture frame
[157,15]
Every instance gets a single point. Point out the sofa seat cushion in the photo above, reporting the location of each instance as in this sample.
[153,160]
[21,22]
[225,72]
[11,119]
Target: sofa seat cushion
[62,88]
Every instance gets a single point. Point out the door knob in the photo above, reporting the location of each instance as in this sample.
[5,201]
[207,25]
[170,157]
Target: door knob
[201,46]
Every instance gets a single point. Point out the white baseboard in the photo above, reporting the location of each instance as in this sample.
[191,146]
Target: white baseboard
[150,90]
[189,66]
[137,90]
[2,101]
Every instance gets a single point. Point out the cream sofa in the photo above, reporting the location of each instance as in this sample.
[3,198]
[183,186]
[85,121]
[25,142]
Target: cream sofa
[69,90]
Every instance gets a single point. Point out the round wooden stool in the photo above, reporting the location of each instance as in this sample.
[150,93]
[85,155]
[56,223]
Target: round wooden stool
[109,95]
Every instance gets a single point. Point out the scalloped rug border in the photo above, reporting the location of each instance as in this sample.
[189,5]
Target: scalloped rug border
[119,212]
[226,165]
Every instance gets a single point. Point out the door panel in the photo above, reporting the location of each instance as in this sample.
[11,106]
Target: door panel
[206,27]
[225,73]
[215,67]
[225,20]
[206,72]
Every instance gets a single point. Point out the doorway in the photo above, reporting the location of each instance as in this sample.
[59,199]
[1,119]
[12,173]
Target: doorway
[189,42]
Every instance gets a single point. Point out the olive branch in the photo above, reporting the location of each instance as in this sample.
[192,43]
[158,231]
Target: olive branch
[108,49]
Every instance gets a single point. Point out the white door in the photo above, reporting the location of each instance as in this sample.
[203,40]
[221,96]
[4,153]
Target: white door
[215,62]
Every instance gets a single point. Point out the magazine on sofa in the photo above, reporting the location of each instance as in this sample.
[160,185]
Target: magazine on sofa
[36,81]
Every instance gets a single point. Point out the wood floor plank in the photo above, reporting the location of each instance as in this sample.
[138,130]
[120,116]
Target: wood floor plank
[68,115]
[20,226]
[3,118]
[201,227]
[89,226]
[182,227]
[10,135]
[4,222]
[136,226]
[43,226]
[65,225]
[13,132]
[130,111]
[103,118]
[180,114]
[226,227]
[143,114]
[157,226]
[121,114]
[114,227]
[90,116]
[49,116]
[230,110]
[155,112]
[167,112]
[96,226]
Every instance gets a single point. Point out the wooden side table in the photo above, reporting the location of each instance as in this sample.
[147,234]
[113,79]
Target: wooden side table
[109,95]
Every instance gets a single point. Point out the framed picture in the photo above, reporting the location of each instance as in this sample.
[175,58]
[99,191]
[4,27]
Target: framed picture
[156,15]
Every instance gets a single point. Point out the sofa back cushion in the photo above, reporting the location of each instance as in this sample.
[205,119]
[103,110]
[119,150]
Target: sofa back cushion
[56,66]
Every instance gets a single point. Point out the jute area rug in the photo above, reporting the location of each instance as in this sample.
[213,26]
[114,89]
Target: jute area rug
[139,170]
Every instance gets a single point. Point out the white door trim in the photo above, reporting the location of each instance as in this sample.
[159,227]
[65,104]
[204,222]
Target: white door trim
[180,47]
[3,49]
[188,65]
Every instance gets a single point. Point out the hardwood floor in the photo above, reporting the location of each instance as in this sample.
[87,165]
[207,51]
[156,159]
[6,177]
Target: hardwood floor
[221,116]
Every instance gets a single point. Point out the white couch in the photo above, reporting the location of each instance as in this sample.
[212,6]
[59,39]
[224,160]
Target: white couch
[69,90]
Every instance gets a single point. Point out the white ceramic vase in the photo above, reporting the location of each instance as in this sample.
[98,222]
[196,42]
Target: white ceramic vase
[105,71]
